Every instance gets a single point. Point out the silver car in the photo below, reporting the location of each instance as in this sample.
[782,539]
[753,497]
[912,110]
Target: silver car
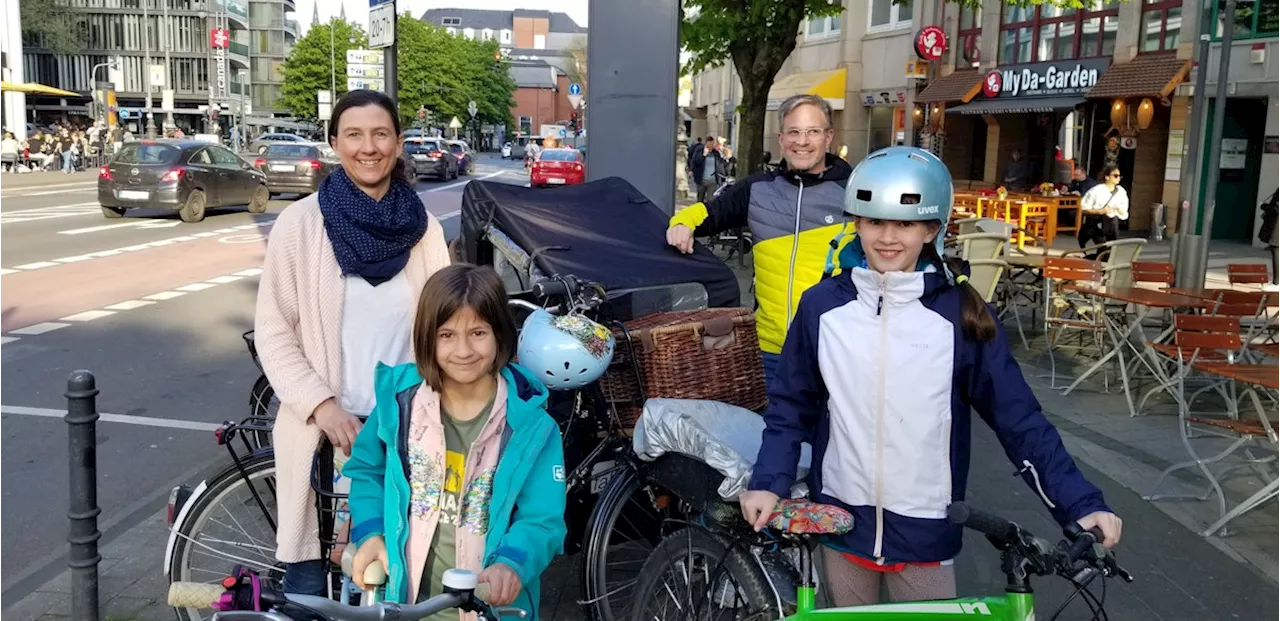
[430,157]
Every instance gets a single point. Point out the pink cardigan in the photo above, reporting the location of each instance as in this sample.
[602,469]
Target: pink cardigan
[298,330]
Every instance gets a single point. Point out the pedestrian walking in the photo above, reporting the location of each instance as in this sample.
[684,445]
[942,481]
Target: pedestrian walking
[1104,206]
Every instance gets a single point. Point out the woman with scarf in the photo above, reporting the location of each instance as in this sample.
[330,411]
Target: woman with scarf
[339,288]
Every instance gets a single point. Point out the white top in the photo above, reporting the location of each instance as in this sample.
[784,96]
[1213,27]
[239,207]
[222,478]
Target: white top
[1116,206]
[376,326]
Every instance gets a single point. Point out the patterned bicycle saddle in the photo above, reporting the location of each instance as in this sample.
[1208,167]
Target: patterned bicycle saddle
[803,517]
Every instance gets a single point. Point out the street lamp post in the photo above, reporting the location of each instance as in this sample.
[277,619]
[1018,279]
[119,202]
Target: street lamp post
[146,71]
[168,63]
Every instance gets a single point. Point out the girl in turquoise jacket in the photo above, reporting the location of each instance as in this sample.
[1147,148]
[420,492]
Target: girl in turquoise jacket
[459,464]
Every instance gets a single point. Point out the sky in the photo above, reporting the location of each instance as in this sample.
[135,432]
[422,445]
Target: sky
[358,10]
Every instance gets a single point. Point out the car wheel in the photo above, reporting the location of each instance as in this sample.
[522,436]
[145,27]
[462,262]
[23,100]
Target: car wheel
[193,209]
[260,198]
[112,212]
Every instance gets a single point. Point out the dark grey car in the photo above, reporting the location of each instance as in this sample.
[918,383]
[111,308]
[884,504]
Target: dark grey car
[430,157]
[296,168]
[182,175]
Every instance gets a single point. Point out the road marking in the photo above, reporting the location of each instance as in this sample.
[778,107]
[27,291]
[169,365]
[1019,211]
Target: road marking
[35,266]
[197,286]
[81,184]
[95,229]
[249,273]
[48,213]
[127,419]
[88,315]
[6,271]
[7,339]
[222,280]
[39,328]
[454,185]
[163,295]
[75,259]
[129,305]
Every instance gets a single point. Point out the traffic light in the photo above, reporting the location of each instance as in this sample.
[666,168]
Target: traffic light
[573,122]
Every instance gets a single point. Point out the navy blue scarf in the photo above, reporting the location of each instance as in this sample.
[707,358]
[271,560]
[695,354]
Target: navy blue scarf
[371,238]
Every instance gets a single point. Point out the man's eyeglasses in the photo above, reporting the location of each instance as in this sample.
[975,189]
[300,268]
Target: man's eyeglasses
[812,133]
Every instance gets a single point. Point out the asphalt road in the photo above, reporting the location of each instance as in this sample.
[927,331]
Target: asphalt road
[155,308]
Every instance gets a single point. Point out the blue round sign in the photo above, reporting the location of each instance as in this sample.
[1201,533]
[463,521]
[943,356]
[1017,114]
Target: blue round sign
[563,133]
[575,89]
[124,114]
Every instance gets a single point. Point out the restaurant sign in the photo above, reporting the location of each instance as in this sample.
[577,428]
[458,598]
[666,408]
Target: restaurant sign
[1051,79]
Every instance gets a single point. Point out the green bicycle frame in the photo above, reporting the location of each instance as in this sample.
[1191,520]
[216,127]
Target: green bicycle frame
[1011,607]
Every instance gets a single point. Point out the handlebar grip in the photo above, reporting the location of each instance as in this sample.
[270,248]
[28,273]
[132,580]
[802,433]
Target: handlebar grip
[993,526]
[1082,540]
[375,574]
[482,592]
[194,594]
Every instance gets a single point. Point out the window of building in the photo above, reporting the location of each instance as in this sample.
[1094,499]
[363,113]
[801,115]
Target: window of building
[1161,25]
[1031,34]
[486,34]
[526,125]
[469,33]
[889,15]
[451,21]
[822,27]
[1252,20]
[969,36]
[452,31]
[506,36]
[539,42]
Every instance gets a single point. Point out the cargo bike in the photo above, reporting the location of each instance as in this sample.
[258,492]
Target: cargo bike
[598,248]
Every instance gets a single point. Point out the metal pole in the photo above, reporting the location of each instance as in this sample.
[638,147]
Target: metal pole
[389,62]
[146,71]
[82,421]
[168,63]
[1186,248]
[1215,147]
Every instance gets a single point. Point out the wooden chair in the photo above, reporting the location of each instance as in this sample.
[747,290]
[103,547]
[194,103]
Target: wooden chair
[1118,255]
[1067,309]
[1151,272]
[1247,274]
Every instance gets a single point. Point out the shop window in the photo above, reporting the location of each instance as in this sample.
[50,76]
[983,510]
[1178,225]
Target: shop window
[969,34]
[1256,19]
[1042,33]
[889,15]
[1161,25]
[822,27]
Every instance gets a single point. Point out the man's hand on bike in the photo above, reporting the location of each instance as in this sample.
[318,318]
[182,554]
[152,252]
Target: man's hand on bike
[1107,522]
[339,425]
[681,237]
[504,584]
[373,550]
[757,507]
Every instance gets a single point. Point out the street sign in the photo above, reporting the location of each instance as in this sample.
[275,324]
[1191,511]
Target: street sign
[472,108]
[575,89]
[455,123]
[382,20]
[373,84]
[324,97]
[563,132]
[364,57]
[166,100]
[324,111]
[157,76]
[575,101]
[124,114]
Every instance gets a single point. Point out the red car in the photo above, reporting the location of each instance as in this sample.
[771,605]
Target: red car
[557,167]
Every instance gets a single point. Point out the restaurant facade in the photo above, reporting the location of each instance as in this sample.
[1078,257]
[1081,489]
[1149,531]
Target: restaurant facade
[1066,88]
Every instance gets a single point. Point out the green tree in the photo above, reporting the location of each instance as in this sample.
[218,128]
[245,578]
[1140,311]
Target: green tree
[444,72]
[48,24]
[307,70]
[758,36]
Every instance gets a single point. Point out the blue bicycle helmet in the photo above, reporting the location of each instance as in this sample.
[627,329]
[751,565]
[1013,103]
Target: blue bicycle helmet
[566,352]
[901,183]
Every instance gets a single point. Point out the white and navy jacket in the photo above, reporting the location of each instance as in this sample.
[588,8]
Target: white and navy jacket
[877,375]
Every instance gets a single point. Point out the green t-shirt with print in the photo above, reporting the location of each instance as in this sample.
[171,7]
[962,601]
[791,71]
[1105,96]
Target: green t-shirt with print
[458,438]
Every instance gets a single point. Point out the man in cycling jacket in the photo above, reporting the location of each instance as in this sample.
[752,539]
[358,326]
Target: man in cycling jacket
[793,215]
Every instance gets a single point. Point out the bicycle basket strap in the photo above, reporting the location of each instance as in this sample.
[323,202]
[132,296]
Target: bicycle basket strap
[803,517]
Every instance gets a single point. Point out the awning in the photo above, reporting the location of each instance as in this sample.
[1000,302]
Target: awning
[829,85]
[32,88]
[1014,105]
[1141,77]
[959,86]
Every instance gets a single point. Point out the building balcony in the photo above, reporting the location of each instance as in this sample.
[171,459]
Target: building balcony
[238,11]
[239,52]
[291,27]
[290,5]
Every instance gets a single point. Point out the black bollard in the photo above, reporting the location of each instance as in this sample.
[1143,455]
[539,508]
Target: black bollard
[82,435]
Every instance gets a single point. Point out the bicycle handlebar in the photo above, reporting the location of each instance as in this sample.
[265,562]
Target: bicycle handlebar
[994,526]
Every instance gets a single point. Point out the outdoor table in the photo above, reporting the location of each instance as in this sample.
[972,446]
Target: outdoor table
[1120,334]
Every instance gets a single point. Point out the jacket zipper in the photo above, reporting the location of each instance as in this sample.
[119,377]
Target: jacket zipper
[884,342]
[795,246]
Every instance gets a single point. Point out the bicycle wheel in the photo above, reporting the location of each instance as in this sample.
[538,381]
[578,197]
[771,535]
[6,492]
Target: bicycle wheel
[693,575]
[624,527]
[226,527]
[263,404]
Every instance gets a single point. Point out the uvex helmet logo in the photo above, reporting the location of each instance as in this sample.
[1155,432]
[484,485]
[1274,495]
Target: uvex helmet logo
[991,85]
[924,211]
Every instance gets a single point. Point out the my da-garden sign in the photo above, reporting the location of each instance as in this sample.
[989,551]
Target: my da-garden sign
[1050,79]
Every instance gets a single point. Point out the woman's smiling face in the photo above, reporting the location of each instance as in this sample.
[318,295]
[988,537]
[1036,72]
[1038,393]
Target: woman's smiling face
[369,147]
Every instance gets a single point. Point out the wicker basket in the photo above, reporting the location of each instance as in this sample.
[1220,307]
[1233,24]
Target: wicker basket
[706,354]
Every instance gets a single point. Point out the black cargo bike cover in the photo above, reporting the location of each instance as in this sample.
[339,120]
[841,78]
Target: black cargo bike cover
[604,231]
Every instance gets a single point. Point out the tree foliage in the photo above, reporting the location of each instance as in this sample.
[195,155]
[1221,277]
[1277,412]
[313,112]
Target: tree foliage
[444,72]
[49,25]
[307,70]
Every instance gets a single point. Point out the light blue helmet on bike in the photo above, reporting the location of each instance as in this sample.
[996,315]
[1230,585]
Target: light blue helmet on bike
[566,352]
[901,183]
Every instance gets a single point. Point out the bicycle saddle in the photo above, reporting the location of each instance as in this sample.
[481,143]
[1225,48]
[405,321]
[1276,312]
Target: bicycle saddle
[804,517]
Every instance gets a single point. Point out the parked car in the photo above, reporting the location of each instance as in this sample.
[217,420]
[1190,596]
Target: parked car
[179,174]
[261,143]
[557,167]
[466,158]
[296,168]
[430,157]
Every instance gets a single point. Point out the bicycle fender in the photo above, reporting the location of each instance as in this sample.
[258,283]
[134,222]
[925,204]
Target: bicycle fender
[179,520]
